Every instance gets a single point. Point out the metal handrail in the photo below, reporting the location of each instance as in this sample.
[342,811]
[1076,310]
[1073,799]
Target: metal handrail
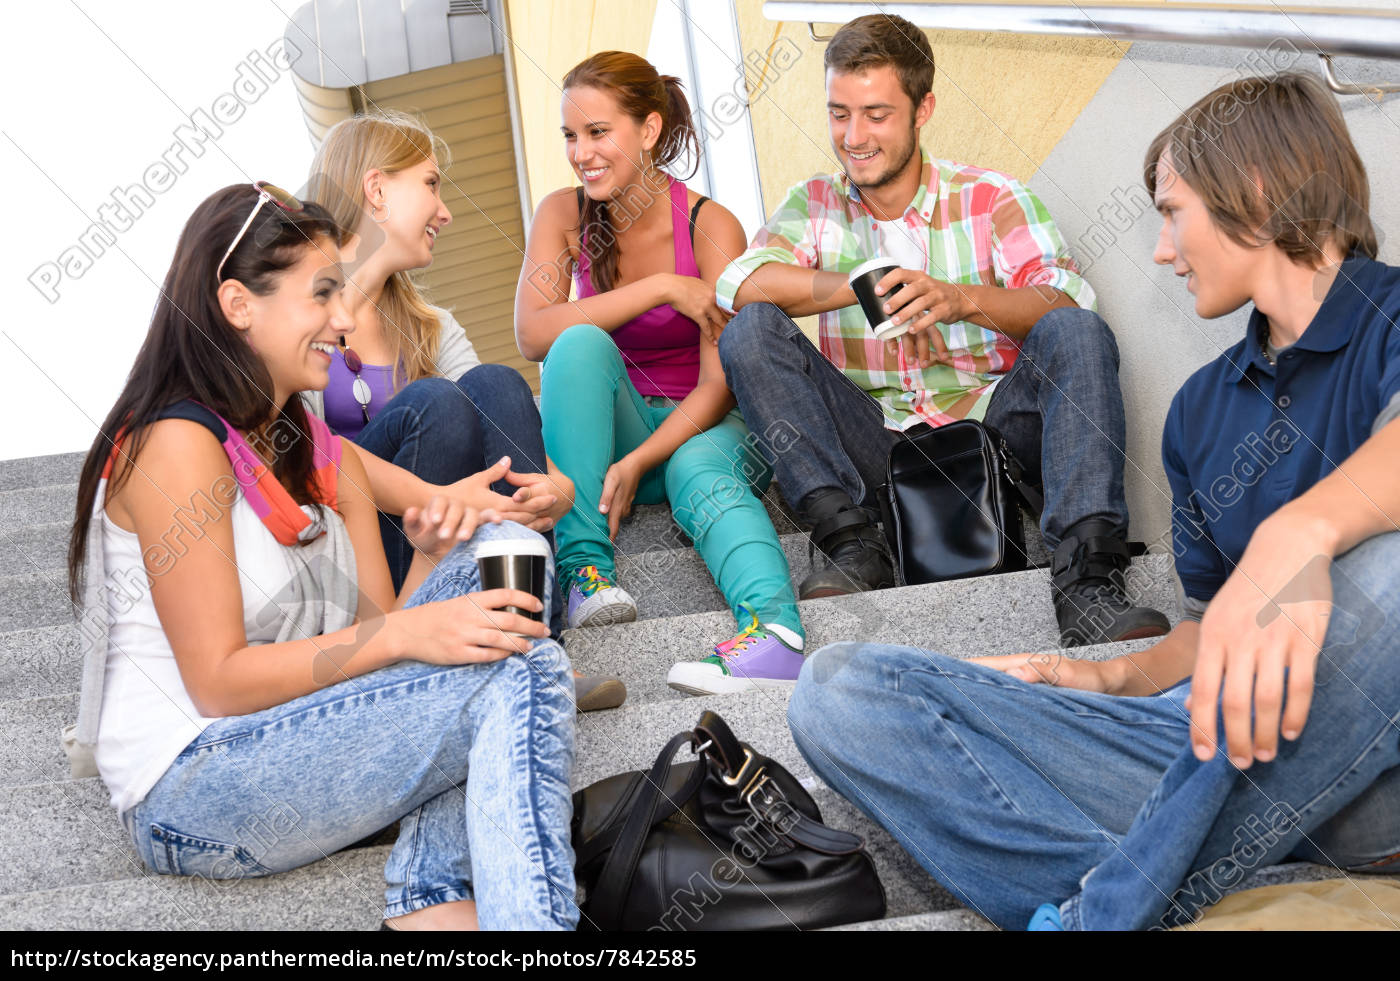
[1324,31]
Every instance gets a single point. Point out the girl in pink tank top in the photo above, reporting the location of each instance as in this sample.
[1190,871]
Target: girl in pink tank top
[633,397]
[660,346]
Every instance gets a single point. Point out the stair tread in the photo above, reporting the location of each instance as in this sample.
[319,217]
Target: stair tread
[37,505]
[40,661]
[30,753]
[314,897]
[992,614]
[936,920]
[35,546]
[968,617]
[40,471]
[69,863]
[50,815]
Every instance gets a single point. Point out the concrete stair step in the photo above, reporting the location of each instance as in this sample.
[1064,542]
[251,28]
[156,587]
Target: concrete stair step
[40,678]
[40,661]
[671,582]
[34,599]
[1013,613]
[664,581]
[939,921]
[655,562]
[967,617]
[40,471]
[66,833]
[45,515]
[31,752]
[35,547]
[344,892]
[37,505]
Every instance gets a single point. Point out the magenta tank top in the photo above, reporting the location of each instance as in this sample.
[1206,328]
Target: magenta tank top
[661,348]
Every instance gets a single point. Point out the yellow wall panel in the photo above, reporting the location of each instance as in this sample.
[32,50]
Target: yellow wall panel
[549,38]
[1004,100]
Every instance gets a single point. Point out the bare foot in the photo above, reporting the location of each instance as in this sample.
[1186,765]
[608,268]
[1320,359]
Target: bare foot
[458,915]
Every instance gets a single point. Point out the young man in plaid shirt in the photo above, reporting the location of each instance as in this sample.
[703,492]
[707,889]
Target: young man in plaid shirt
[1001,328]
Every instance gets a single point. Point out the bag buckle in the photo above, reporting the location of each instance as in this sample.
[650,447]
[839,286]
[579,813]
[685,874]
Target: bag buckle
[763,797]
[738,777]
[1009,463]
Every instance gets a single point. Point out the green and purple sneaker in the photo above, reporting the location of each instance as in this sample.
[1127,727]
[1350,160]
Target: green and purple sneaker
[756,658]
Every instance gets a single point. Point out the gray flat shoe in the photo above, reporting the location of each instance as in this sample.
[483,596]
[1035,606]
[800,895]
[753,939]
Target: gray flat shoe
[594,692]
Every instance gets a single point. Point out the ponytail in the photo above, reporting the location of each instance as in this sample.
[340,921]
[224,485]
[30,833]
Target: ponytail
[678,140]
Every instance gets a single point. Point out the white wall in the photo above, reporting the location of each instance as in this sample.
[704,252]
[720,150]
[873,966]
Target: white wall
[1092,185]
[91,101]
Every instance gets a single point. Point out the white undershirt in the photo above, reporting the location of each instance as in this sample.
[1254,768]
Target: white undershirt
[901,243]
[147,716]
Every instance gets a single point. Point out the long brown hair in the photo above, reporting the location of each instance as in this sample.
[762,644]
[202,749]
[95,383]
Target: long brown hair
[1287,134]
[390,141]
[639,92]
[192,352]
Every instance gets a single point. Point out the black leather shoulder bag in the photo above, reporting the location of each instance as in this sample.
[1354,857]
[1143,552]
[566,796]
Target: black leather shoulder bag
[727,841]
[949,503]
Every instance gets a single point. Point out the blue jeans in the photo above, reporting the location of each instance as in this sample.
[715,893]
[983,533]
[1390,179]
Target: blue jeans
[473,761]
[1059,407]
[1012,795]
[442,431]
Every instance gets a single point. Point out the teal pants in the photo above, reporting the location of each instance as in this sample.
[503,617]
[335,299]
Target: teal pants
[594,416]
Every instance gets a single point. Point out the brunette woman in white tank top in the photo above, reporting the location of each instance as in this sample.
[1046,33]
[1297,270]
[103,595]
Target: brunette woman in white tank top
[264,663]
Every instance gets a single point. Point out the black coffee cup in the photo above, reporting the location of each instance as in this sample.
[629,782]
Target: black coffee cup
[515,563]
[863,279]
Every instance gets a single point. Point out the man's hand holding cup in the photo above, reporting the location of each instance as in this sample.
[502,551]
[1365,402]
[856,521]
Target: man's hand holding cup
[905,306]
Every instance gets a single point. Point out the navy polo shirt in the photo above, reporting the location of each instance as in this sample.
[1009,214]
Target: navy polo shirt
[1243,437]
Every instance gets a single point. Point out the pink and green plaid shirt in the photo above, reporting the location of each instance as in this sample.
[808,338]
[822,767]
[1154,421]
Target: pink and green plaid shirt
[975,226]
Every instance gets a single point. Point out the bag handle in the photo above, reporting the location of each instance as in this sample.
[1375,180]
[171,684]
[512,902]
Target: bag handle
[1015,473]
[615,881]
[606,839]
[724,746]
[756,791]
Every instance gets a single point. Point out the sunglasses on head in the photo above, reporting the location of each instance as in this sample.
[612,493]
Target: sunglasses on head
[266,192]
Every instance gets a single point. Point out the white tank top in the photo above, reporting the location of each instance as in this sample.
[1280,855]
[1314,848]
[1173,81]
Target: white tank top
[147,715]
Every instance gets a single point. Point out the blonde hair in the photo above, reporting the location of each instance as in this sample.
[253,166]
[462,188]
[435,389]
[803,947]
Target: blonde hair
[390,141]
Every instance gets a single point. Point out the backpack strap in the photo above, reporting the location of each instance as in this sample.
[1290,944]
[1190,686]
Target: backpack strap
[615,881]
[693,212]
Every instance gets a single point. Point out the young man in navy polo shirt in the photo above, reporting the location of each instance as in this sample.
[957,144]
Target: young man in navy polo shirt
[1271,726]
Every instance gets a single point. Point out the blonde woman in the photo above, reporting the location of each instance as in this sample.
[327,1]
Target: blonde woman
[406,384]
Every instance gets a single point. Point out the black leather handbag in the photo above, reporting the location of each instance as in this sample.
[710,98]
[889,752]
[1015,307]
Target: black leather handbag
[949,503]
[727,841]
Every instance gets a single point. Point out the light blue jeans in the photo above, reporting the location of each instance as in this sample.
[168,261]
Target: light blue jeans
[472,760]
[1013,795]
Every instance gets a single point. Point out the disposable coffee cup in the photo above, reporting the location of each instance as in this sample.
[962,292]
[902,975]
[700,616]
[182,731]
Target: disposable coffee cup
[863,279]
[515,563]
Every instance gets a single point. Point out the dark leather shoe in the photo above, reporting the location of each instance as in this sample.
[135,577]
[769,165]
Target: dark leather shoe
[857,557]
[1088,582]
